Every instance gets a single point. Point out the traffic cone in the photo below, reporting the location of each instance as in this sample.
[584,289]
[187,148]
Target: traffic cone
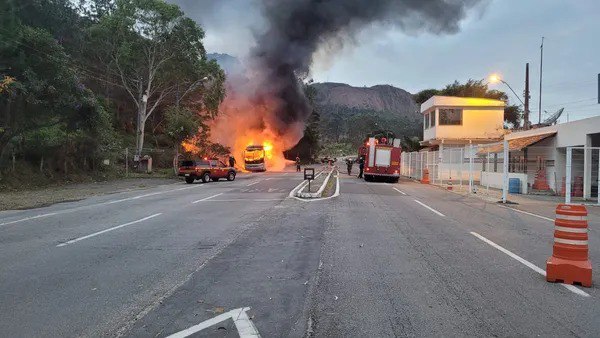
[570,262]
[425,178]
[541,182]
[578,187]
[449,186]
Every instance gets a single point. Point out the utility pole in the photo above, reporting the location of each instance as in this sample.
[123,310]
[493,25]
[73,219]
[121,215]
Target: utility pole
[526,105]
[541,71]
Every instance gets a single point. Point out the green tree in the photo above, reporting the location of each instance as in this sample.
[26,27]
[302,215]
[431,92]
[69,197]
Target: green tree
[155,54]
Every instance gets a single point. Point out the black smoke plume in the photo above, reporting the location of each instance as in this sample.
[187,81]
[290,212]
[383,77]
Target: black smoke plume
[296,29]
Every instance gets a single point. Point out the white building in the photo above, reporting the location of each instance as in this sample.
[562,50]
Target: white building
[545,149]
[455,121]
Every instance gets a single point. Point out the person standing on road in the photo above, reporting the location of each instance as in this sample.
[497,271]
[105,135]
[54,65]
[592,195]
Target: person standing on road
[298,164]
[231,161]
[349,164]
[361,166]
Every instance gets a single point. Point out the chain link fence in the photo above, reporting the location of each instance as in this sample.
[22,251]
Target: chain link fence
[503,168]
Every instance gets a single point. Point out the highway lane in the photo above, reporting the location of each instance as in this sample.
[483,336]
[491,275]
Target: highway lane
[97,285]
[378,260]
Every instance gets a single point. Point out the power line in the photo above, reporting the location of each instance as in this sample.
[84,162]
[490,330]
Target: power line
[570,102]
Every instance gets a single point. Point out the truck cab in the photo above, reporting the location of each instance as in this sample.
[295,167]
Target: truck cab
[382,158]
[205,170]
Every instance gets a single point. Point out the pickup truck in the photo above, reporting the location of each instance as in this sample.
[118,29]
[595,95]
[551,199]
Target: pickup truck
[205,170]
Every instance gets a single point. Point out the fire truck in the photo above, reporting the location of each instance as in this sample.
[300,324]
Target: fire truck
[381,155]
[254,158]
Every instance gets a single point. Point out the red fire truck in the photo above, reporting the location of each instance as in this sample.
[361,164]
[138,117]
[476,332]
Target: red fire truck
[381,154]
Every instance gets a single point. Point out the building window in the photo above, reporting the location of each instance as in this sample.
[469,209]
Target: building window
[450,117]
[432,118]
[426,121]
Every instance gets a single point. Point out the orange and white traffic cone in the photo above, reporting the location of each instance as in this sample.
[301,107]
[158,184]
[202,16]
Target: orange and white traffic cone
[425,178]
[449,186]
[570,262]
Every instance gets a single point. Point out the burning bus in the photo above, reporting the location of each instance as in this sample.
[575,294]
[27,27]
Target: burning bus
[254,158]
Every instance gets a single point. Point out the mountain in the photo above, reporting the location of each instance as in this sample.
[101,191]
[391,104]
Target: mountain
[349,113]
[378,98]
[230,64]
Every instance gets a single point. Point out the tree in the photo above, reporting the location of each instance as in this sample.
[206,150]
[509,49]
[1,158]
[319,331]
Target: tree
[155,54]
[475,88]
[309,145]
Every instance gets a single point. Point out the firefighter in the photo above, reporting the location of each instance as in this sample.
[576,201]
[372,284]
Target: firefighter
[231,161]
[349,164]
[297,163]
[361,166]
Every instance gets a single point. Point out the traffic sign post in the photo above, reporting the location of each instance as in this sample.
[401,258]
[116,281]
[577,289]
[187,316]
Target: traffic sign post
[309,175]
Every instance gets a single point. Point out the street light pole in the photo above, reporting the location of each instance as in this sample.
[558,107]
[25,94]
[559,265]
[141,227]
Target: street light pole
[526,105]
[509,87]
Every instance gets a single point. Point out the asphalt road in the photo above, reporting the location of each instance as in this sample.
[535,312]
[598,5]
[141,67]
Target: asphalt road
[378,260]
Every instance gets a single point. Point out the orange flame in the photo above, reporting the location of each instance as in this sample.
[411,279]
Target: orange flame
[242,123]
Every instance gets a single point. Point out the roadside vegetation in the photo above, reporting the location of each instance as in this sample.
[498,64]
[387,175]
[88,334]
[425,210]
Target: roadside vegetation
[80,81]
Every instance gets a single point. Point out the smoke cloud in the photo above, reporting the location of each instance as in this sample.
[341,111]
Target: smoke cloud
[296,29]
[287,35]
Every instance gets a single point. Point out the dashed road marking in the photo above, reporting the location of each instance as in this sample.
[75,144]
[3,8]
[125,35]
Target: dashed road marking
[528,213]
[243,324]
[528,264]
[251,184]
[430,208]
[107,230]
[400,191]
[29,218]
[207,198]
[83,207]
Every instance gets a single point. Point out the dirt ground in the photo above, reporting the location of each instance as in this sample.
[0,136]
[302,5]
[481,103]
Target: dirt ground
[27,199]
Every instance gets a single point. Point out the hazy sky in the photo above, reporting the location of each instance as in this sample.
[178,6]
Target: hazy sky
[500,39]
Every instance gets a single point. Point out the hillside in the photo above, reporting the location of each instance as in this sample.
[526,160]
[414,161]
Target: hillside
[349,113]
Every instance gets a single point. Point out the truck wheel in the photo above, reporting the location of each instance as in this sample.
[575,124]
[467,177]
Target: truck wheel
[189,180]
[231,176]
[368,178]
[394,179]
[205,177]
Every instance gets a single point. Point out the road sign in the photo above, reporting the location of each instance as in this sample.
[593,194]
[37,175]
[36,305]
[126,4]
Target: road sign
[309,173]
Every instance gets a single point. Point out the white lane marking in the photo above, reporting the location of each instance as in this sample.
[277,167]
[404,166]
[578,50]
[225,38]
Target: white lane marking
[528,264]
[400,191]
[246,200]
[107,230]
[60,212]
[253,183]
[430,208]
[207,198]
[285,174]
[29,218]
[243,324]
[528,213]
[267,179]
[336,194]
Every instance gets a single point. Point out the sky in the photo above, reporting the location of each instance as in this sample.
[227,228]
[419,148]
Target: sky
[499,38]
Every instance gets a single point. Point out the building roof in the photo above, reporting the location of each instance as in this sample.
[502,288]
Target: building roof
[516,144]
[454,101]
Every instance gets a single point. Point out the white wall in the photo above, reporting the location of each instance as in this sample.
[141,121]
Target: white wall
[478,123]
[495,180]
[481,119]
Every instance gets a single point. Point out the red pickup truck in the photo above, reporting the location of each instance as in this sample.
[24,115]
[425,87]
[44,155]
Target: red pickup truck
[205,170]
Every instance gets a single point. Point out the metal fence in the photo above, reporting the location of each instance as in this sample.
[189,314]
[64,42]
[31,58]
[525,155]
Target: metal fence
[500,169]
